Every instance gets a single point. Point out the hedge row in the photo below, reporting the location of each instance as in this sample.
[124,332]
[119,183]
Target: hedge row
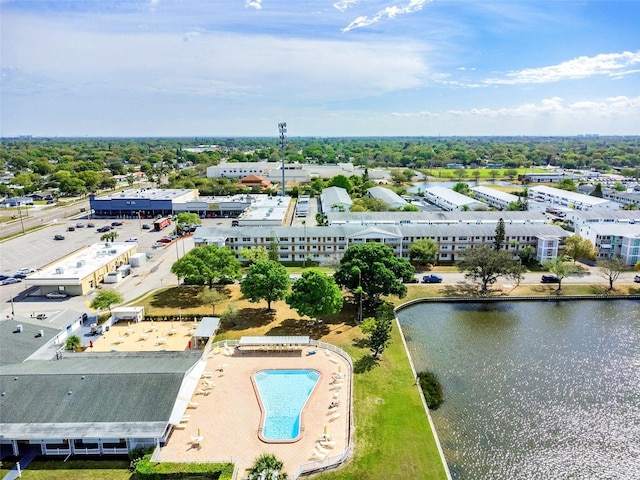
[185,317]
[147,470]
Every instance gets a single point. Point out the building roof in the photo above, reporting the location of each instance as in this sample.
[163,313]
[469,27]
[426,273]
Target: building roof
[440,217]
[150,194]
[80,264]
[92,395]
[16,347]
[386,195]
[615,229]
[571,196]
[334,196]
[495,193]
[450,196]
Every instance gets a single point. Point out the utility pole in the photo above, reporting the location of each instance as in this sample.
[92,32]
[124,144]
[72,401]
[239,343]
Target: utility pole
[282,128]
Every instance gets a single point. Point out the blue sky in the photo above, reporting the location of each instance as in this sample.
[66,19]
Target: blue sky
[327,68]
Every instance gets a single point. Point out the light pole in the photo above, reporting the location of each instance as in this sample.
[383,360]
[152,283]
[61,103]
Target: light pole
[282,128]
[13,313]
[20,214]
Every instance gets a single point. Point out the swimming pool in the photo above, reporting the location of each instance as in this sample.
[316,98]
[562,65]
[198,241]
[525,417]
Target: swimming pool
[283,395]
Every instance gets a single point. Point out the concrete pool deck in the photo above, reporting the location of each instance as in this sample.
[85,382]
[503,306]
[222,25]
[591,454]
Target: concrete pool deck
[229,416]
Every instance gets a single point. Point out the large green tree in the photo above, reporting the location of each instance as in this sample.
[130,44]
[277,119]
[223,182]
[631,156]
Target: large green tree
[184,219]
[381,333]
[207,265]
[267,467]
[105,299]
[266,280]
[499,237]
[424,250]
[254,254]
[484,265]
[380,271]
[578,247]
[315,294]
[211,296]
[560,268]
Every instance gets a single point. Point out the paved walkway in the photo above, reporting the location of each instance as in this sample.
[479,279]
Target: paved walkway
[25,460]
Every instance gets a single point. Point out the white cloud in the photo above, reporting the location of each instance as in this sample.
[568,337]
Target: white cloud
[613,65]
[218,64]
[343,5]
[387,12]
[257,4]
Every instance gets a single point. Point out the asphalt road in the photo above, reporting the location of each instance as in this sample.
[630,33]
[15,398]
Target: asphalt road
[36,217]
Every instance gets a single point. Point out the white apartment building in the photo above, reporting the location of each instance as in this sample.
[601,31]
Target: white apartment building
[449,200]
[577,218]
[494,198]
[328,244]
[555,197]
[613,240]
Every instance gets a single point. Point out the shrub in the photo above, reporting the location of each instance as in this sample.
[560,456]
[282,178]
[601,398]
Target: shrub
[136,455]
[147,470]
[431,389]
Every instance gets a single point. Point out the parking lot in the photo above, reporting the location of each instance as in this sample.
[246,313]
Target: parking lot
[38,249]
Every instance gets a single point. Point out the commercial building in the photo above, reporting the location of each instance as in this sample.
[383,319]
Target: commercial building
[551,177]
[266,212]
[146,203]
[335,199]
[272,171]
[494,198]
[555,197]
[83,270]
[390,197]
[328,244]
[449,200]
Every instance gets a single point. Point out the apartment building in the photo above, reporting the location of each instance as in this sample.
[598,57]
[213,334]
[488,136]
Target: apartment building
[555,197]
[494,198]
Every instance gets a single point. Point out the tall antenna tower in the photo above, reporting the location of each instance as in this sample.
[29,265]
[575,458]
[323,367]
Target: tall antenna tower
[282,128]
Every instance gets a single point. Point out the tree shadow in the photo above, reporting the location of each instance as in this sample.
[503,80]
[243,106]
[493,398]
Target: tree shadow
[366,363]
[248,318]
[361,342]
[468,289]
[185,296]
[292,326]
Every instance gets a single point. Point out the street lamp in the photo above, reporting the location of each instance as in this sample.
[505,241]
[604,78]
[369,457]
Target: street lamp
[20,213]
[282,128]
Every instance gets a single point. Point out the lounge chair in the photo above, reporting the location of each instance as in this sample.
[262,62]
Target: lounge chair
[318,455]
[181,426]
[209,383]
[322,450]
[327,443]
[335,416]
[192,405]
[207,374]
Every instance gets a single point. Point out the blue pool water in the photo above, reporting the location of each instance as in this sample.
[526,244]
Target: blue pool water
[284,394]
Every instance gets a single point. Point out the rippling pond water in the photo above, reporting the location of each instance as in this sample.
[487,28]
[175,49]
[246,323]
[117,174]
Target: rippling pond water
[533,390]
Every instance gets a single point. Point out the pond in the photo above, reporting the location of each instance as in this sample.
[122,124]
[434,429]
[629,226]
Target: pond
[533,389]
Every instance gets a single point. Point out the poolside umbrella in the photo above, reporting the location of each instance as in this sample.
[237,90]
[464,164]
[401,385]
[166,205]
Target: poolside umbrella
[325,430]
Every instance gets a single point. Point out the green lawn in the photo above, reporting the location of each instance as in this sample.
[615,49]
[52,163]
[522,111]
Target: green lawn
[78,470]
[393,438]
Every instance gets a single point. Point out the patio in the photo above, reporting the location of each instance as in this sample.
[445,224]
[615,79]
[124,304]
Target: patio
[225,418]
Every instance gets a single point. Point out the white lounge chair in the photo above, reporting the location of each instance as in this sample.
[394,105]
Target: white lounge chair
[335,416]
[193,404]
[209,383]
[327,443]
[207,374]
[318,455]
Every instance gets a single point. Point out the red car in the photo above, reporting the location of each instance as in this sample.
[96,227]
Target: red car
[165,240]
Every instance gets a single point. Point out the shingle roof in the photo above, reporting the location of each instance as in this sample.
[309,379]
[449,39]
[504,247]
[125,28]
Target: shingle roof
[16,347]
[98,393]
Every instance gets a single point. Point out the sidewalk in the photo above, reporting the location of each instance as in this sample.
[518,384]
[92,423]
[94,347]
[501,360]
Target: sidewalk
[25,460]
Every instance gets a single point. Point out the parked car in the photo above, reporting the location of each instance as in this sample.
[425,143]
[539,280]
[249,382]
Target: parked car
[79,225]
[116,224]
[58,237]
[71,229]
[165,240]
[26,270]
[91,225]
[4,277]
[41,316]
[636,279]
[104,229]
[131,239]
[158,245]
[413,280]
[21,275]
[549,279]
[146,226]
[56,295]
[10,280]
[432,279]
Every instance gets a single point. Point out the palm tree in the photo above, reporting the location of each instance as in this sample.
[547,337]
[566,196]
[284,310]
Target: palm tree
[109,236]
[267,467]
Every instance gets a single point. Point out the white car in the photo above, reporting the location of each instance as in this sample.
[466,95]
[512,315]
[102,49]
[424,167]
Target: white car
[636,279]
[25,271]
[132,239]
[56,295]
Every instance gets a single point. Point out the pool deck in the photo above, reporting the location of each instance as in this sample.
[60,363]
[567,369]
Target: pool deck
[229,416]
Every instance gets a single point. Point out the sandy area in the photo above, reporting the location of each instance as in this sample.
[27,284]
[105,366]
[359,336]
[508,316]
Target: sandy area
[145,337]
